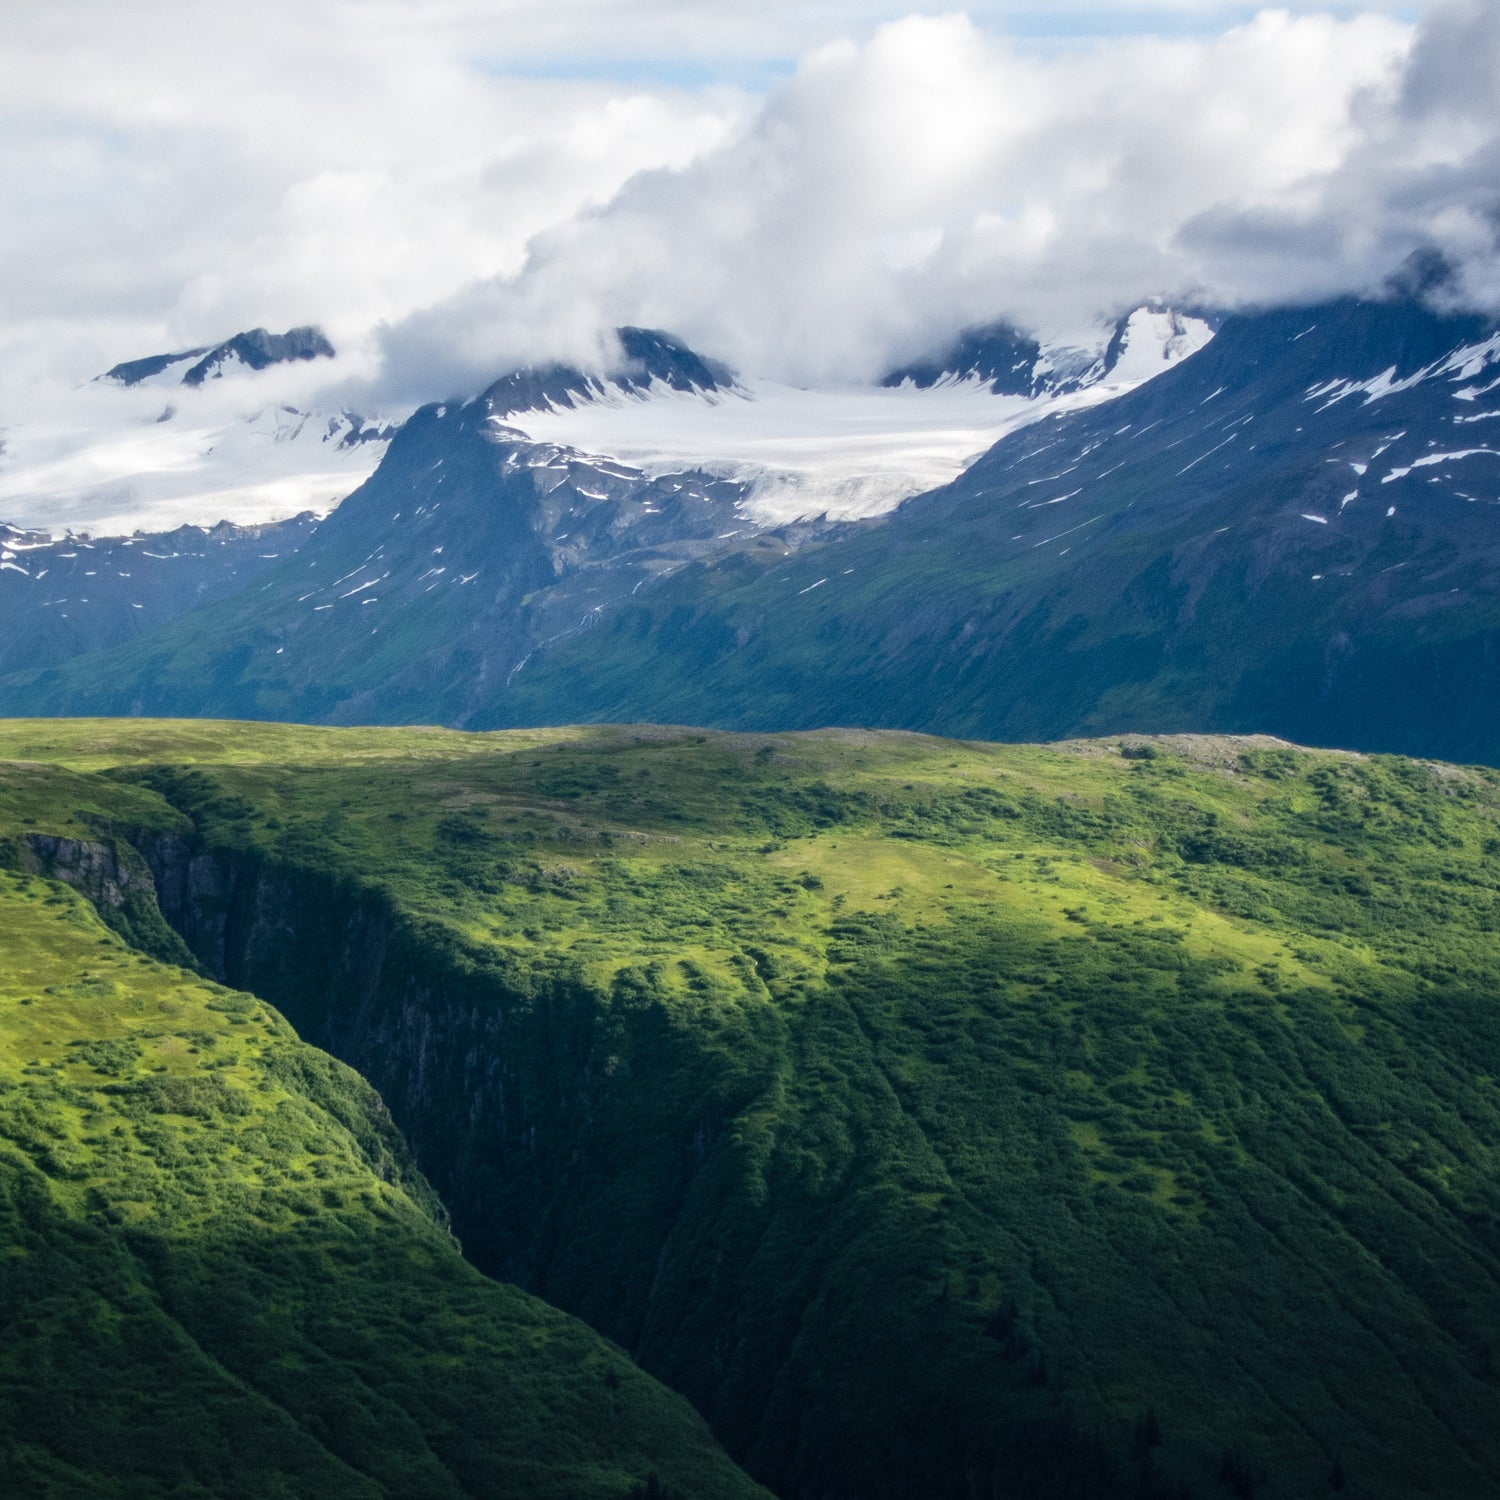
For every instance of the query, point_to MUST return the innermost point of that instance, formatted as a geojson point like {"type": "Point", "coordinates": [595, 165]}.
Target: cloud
{"type": "Point", "coordinates": [1421, 171]}
{"type": "Point", "coordinates": [170, 173]}
{"type": "Point", "coordinates": [809, 191]}
{"type": "Point", "coordinates": [937, 174]}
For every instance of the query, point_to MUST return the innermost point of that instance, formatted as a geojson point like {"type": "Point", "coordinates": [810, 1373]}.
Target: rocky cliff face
{"type": "Point", "coordinates": [438, 1037]}
{"type": "Point", "coordinates": [108, 873]}
{"type": "Point", "coordinates": [113, 875]}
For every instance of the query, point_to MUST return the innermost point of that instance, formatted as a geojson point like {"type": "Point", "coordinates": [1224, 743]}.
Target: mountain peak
{"type": "Point", "coordinates": [1423, 272]}
{"type": "Point", "coordinates": [254, 348]}
{"type": "Point", "coordinates": [997, 353]}
{"type": "Point", "coordinates": [259, 348]}
{"type": "Point", "coordinates": [1141, 343]}
{"type": "Point", "coordinates": [654, 355]}
{"type": "Point", "coordinates": [648, 356]}
{"type": "Point", "coordinates": [137, 371]}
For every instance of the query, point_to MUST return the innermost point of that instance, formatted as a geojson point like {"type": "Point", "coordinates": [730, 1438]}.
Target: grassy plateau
{"type": "Point", "coordinates": [1112, 1118]}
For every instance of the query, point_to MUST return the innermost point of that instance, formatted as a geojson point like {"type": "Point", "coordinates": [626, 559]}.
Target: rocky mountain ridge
{"type": "Point", "coordinates": [253, 349]}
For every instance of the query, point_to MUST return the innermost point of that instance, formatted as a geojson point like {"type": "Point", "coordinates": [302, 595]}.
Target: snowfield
{"type": "Point", "coordinates": [109, 460]}
{"type": "Point", "coordinates": [262, 446]}
{"type": "Point", "coordinates": [848, 453]}
{"type": "Point", "coordinates": [859, 450]}
{"type": "Point", "coordinates": [154, 477]}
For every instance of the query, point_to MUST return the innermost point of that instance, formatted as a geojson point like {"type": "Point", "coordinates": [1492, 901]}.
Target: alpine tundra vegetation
{"type": "Point", "coordinates": [1109, 1118]}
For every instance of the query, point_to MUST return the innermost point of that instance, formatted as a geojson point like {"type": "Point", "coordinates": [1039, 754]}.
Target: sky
{"type": "Point", "coordinates": [809, 191]}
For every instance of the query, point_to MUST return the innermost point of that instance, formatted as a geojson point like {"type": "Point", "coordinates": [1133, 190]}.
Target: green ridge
{"type": "Point", "coordinates": [222, 1274]}
{"type": "Point", "coordinates": [944, 1119]}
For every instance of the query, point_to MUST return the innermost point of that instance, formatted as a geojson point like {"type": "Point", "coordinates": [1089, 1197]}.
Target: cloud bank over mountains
{"type": "Point", "coordinates": [934, 175]}
{"type": "Point", "coordinates": [452, 189]}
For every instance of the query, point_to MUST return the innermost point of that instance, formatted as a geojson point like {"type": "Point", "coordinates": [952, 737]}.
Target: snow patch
{"type": "Point", "coordinates": [1463, 363]}
{"type": "Point", "coordinates": [109, 472]}
{"type": "Point", "coordinates": [846, 453]}
{"type": "Point", "coordinates": [1428, 459]}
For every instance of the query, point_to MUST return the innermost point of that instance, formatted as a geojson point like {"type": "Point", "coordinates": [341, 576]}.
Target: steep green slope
{"type": "Point", "coordinates": [944, 1119]}
{"type": "Point", "coordinates": [223, 1276]}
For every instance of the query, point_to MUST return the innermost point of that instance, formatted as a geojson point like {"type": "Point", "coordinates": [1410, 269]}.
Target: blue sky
{"type": "Point", "coordinates": [689, 46]}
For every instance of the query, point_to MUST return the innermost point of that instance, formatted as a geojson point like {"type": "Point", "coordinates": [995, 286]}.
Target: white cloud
{"type": "Point", "coordinates": [481, 182]}
{"type": "Point", "coordinates": [935, 174]}
{"type": "Point", "coordinates": [171, 173]}
{"type": "Point", "coordinates": [1421, 169]}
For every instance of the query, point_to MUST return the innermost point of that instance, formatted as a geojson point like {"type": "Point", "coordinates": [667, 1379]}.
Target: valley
{"type": "Point", "coordinates": [224, 1275]}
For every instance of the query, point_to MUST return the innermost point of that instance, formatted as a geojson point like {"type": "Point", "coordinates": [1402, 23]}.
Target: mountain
{"type": "Point", "coordinates": [153, 366]}
{"type": "Point", "coordinates": [648, 360]}
{"type": "Point", "coordinates": [470, 548]}
{"type": "Point", "coordinates": [1292, 531]}
{"type": "Point", "coordinates": [224, 1274]}
{"type": "Point", "coordinates": [242, 432]}
{"type": "Point", "coordinates": [254, 349]}
{"type": "Point", "coordinates": [845, 451]}
{"type": "Point", "coordinates": [996, 353]}
{"type": "Point", "coordinates": [1110, 1119]}
{"type": "Point", "coordinates": [1138, 346]}
{"type": "Point", "coordinates": [63, 598]}
{"type": "Point", "coordinates": [259, 444]}
{"type": "Point", "coordinates": [553, 537]}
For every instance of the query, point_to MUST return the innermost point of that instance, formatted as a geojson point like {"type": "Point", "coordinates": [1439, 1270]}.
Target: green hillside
{"type": "Point", "coordinates": [224, 1277]}
{"type": "Point", "coordinates": [943, 1119]}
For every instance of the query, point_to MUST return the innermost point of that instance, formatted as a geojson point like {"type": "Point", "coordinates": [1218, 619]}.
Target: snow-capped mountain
{"type": "Point", "coordinates": [848, 452]}
{"type": "Point", "coordinates": [1296, 530]}
{"type": "Point", "coordinates": [1145, 342]}
{"type": "Point", "coordinates": [470, 548]}
{"type": "Point", "coordinates": [1293, 529]}
{"type": "Point", "coordinates": [239, 432]}
{"type": "Point", "coordinates": [650, 363]}
{"type": "Point", "coordinates": [234, 432]}
{"type": "Point", "coordinates": [255, 349]}
{"type": "Point", "coordinates": [797, 463]}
